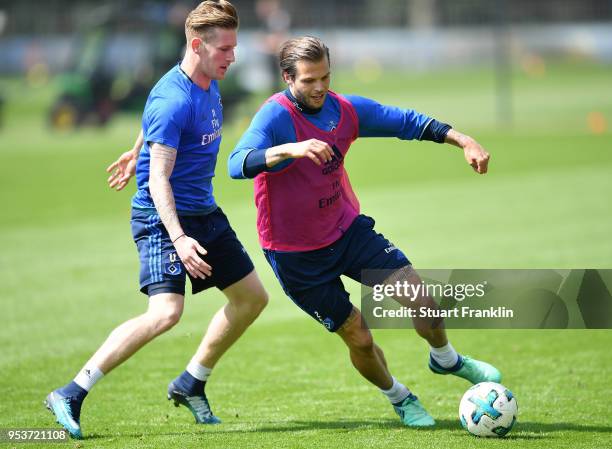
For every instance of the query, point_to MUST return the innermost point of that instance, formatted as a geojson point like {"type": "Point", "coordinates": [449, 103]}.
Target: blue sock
{"type": "Point", "coordinates": [74, 391]}
{"type": "Point", "coordinates": [452, 369]}
{"type": "Point", "coordinates": [190, 384]}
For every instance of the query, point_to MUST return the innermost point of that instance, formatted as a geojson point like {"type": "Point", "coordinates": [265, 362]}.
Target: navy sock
{"type": "Point", "coordinates": [452, 369]}
{"type": "Point", "coordinates": [74, 391]}
{"type": "Point", "coordinates": [77, 395]}
{"type": "Point", "coordinates": [411, 396]}
{"type": "Point", "coordinates": [190, 384]}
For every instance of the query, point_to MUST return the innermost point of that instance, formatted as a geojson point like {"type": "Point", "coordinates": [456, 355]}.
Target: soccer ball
{"type": "Point", "coordinates": [488, 409]}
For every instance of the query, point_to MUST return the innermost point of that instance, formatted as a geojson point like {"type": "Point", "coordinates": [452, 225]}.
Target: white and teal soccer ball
{"type": "Point", "coordinates": [488, 409]}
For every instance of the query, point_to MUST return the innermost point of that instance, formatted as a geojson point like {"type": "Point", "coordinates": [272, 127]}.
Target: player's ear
{"type": "Point", "coordinates": [195, 43]}
{"type": "Point", "coordinates": [287, 78]}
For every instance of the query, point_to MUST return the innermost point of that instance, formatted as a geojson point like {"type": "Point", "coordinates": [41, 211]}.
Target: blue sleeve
{"type": "Point", "coordinates": [164, 120]}
{"type": "Point", "coordinates": [377, 120]}
{"type": "Point", "coordinates": [270, 127]}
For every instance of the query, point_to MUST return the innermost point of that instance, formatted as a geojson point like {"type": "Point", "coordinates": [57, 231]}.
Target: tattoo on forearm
{"type": "Point", "coordinates": [163, 152]}
{"type": "Point", "coordinates": [162, 164]}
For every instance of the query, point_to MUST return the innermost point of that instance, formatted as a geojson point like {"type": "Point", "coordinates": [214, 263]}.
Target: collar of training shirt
{"type": "Point", "coordinates": [183, 72]}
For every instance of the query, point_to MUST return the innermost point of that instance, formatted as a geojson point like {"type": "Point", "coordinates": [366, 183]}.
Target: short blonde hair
{"type": "Point", "coordinates": [208, 15]}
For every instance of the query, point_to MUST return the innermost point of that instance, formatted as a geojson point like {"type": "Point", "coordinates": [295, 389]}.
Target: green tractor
{"type": "Point", "coordinates": [115, 63]}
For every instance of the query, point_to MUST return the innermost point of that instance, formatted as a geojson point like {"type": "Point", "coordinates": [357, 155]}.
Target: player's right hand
{"type": "Point", "coordinates": [189, 251]}
{"type": "Point", "coordinates": [124, 168]}
{"type": "Point", "coordinates": [316, 150]}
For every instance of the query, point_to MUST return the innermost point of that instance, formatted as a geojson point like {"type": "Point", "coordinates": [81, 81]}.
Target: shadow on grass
{"type": "Point", "coordinates": [441, 424]}
{"type": "Point", "coordinates": [526, 430]}
{"type": "Point", "coordinates": [529, 426]}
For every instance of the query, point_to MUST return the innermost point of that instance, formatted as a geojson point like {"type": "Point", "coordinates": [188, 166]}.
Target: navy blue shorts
{"type": "Point", "coordinates": [312, 278]}
{"type": "Point", "coordinates": [161, 270]}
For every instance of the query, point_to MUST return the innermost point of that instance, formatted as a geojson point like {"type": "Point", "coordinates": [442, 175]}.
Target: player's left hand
{"type": "Point", "coordinates": [124, 168]}
{"type": "Point", "coordinates": [476, 156]}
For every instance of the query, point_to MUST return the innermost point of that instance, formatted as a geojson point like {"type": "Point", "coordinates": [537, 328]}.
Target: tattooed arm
{"type": "Point", "coordinates": [162, 164]}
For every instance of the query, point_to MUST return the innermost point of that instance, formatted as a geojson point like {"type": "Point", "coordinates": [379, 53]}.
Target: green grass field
{"type": "Point", "coordinates": [68, 275]}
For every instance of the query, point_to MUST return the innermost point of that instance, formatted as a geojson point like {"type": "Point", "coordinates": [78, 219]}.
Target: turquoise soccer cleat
{"type": "Point", "coordinates": [472, 370]}
{"type": "Point", "coordinates": [198, 405]}
{"type": "Point", "coordinates": [67, 412]}
{"type": "Point", "coordinates": [412, 413]}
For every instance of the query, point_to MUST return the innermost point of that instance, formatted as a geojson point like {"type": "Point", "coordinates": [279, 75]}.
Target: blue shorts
{"type": "Point", "coordinates": [312, 278]}
{"type": "Point", "coordinates": [161, 270]}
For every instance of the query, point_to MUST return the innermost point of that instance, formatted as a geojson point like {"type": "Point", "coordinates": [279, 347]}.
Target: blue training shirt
{"type": "Point", "coordinates": [182, 115]}
{"type": "Point", "coordinates": [272, 126]}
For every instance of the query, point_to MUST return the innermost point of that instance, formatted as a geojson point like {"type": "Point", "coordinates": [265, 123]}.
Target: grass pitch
{"type": "Point", "coordinates": [68, 272]}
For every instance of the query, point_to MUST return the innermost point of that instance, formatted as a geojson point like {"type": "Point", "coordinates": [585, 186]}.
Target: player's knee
{"type": "Point", "coordinates": [165, 319]}
{"type": "Point", "coordinates": [251, 304]}
{"type": "Point", "coordinates": [361, 340]}
{"type": "Point", "coordinates": [164, 311]}
{"type": "Point", "coordinates": [260, 301]}
{"type": "Point", "coordinates": [255, 304]}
